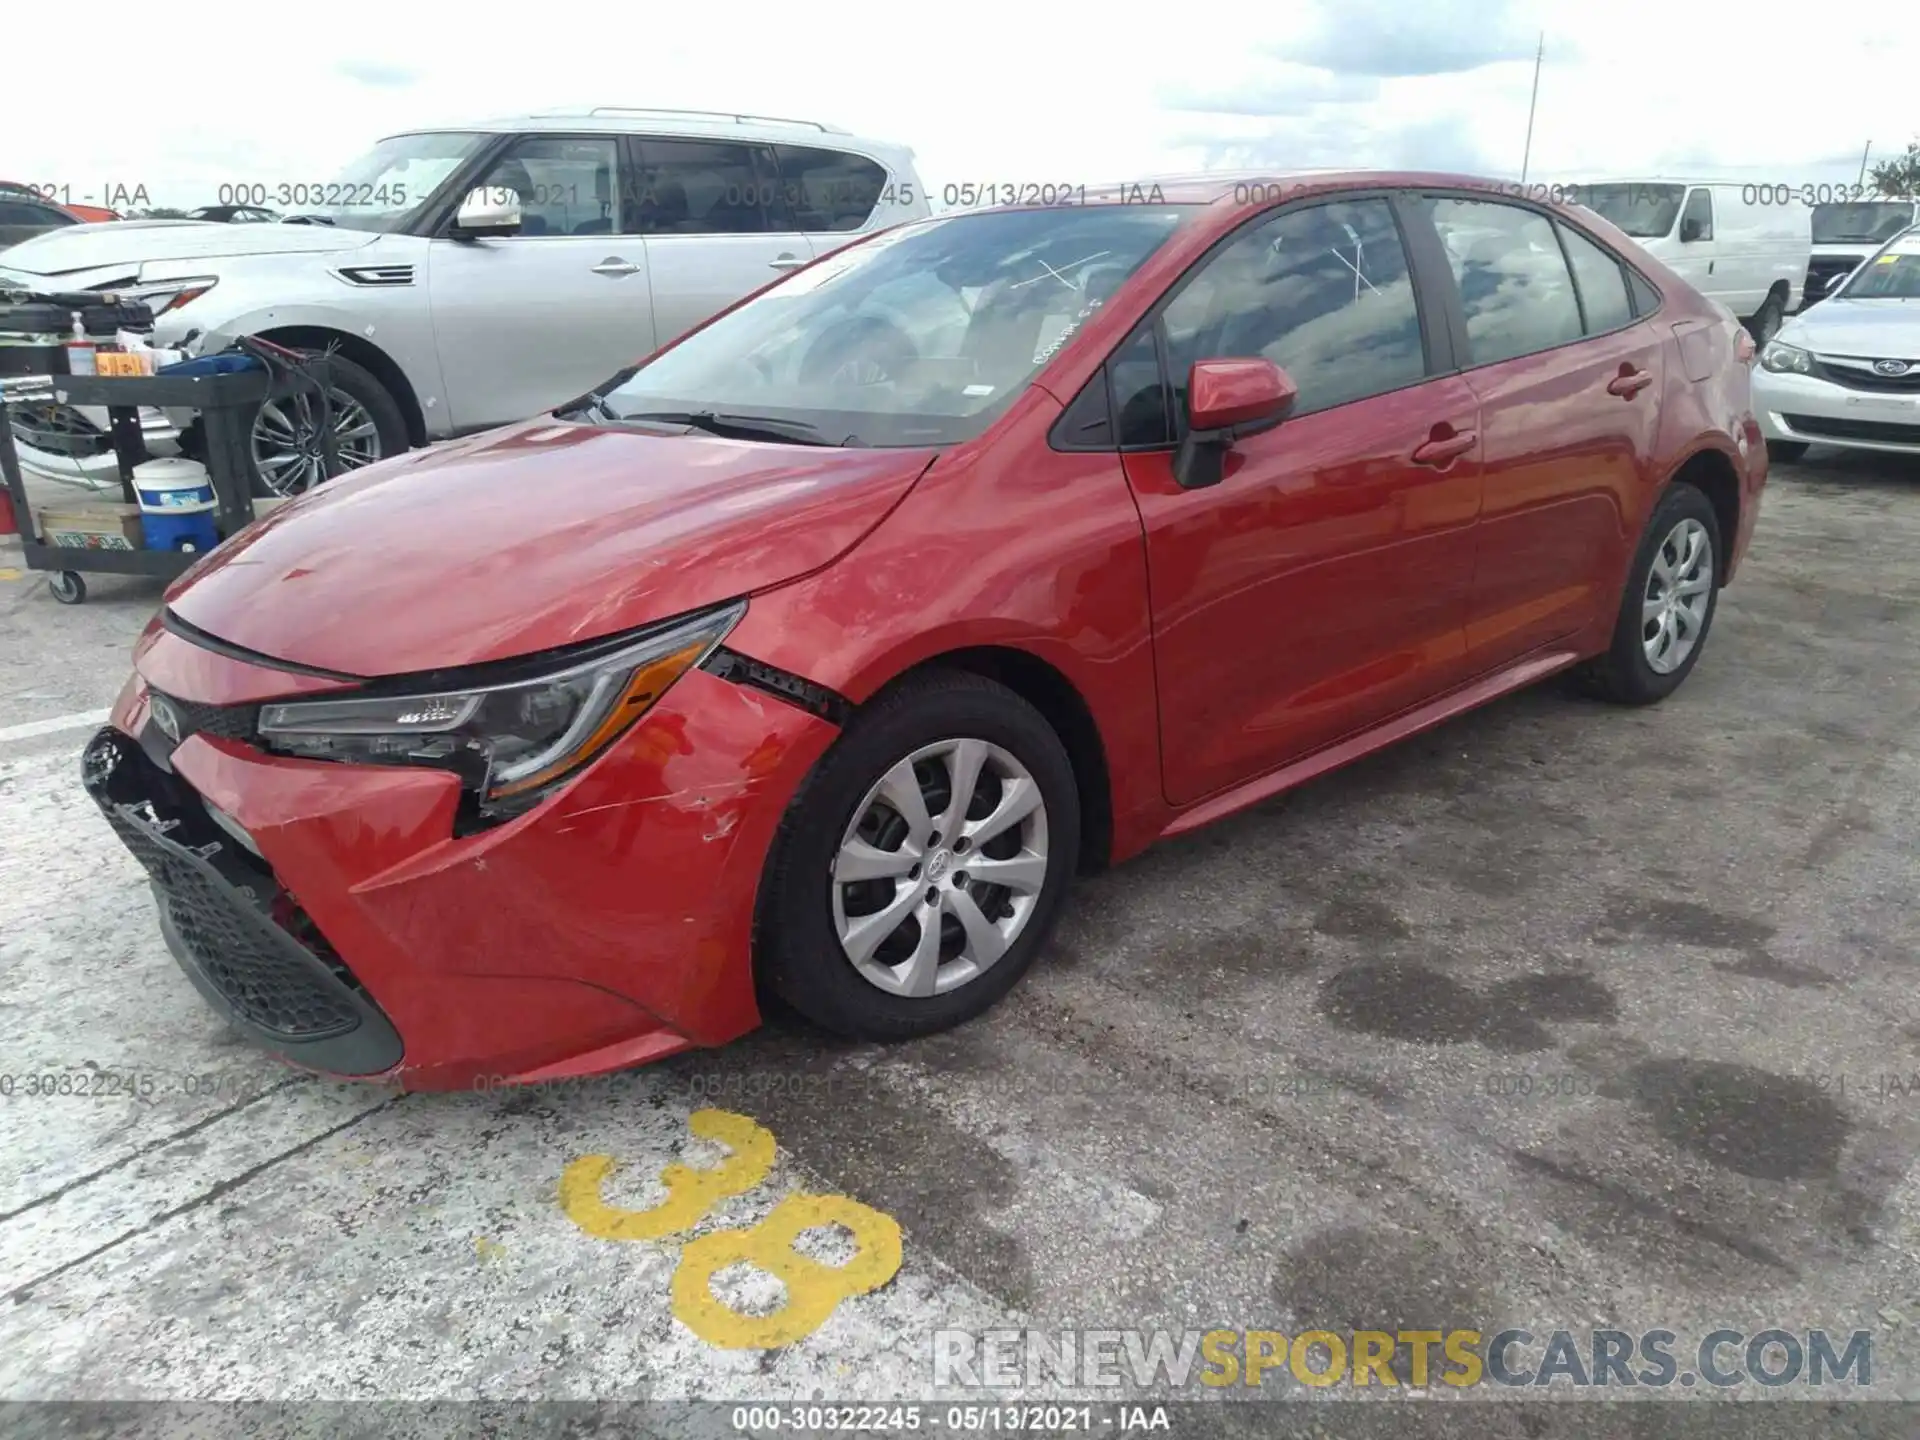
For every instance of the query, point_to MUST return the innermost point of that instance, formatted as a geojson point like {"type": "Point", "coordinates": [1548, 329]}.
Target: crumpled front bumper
{"type": "Point", "coordinates": [609, 926]}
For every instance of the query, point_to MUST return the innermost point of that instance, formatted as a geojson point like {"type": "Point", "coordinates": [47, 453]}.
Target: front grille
{"type": "Point", "coordinates": [226, 722]}
{"type": "Point", "coordinates": [1819, 426]}
{"type": "Point", "coordinates": [1855, 378]}
{"type": "Point", "coordinates": [241, 937]}
{"type": "Point", "coordinates": [235, 946]}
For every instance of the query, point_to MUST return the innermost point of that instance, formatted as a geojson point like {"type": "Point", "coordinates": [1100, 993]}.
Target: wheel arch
{"type": "Point", "coordinates": [368, 356]}
{"type": "Point", "coordinates": [1711, 471]}
{"type": "Point", "coordinates": [1059, 701]}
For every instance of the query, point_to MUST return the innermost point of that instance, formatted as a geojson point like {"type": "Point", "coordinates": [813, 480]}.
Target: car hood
{"type": "Point", "coordinates": [1869, 328]}
{"type": "Point", "coordinates": [542, 534]}
{"type": "Point", "coordinates": [79, 248]}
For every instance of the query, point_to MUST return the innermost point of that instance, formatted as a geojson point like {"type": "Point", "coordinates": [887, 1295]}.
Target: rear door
{"type": "Point", "coordinates": [1568, 381]}
{"type": "Point", "coordinates": [527, 321]}
{"type": "Point", "coordinates": [717, 226]}
{"type": "Point", "coordinates": [1323, 584]}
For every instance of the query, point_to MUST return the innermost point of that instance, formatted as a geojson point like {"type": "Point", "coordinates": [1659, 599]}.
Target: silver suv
{"type": "Point", "coordinates": [474, 274]}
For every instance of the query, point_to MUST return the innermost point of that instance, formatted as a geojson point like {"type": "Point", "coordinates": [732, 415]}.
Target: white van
{"type": "Point", "coordinates": [1732, 242]}
{"type": "Point", "coordinates": [1846, 232]}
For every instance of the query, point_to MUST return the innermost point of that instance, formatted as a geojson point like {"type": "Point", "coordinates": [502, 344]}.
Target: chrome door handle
{"type": "Point", "coordinates": [786, 262]}
{"type": "Point", "coordinates": [615, 266]}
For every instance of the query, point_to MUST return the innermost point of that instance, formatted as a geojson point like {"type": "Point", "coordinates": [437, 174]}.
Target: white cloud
{"type": "Point", "coordinates": [996, 91]}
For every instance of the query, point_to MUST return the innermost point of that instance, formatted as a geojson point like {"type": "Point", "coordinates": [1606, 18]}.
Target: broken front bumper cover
{"type": "Point", "coordinates": [218, 907]}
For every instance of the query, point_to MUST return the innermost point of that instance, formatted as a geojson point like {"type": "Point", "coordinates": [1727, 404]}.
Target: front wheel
{"type": "Point", "coordinates": [367, 426]}
{"type": "Point", "coordinates": [921, 868]}
{"type": "Point", "coordinates": [1668, 604]}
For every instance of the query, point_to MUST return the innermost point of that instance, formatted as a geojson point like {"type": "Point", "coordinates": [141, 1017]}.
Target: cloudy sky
{"type": "Point", "coordinates": [991, 91]}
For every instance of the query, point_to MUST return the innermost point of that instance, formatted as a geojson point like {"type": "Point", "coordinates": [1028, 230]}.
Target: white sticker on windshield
{"type": "Point", "coordinates": [978, 390]}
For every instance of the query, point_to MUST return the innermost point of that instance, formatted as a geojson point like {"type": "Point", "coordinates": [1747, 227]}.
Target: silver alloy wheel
{"type": "Point", "coordinates": [1673, 612]}
{"type": "Point", "coordinates": [286, 441]}
{"type": "Point", "coordinates": [941, 868]}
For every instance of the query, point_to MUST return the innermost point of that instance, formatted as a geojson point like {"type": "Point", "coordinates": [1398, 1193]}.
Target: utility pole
{"type": "Point", "coordinates": [1863, 161]}
{"type": "Point", "coordinates": [1527, 155]}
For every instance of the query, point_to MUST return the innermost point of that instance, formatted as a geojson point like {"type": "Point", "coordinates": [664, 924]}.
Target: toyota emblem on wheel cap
{"type": "Point", "coordinates": [1891, 367]}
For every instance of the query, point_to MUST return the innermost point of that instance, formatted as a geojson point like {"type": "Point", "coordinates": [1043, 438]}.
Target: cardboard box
{"type": "Point", "coordinates": [93, 525]}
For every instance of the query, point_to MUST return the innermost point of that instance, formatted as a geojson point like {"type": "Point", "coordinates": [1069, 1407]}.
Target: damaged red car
{"type": "Point", "coordinates": [817, 652]}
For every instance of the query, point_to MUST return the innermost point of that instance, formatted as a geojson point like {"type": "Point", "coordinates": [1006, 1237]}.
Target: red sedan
{"type": "Point", "coordinates": [818, 651]}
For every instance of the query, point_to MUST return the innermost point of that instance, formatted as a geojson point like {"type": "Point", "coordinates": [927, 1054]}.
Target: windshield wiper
{"type": "Point", "coordinates": [742, 427]}
{"type": "Point", "coordinates": [306, 220]}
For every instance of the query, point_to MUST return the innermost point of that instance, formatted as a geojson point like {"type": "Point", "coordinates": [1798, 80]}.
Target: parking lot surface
{"type": "Point", "coordinates": [1558, 1016]}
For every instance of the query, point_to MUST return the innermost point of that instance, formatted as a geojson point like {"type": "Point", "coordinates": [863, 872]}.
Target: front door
{"type": "Point", "coordinates": [717, 226]}
{"type": "Point", "coordinates": [528, 321]}
{"type": "Point", "coordinates": [1569, 385]}
{"type": "Point", "coordinates": [1322, 585]}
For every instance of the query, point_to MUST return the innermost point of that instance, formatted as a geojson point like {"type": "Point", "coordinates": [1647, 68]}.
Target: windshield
{"type": "Point", "coordinates": [920, 336]}
{"type": "Point", "coordinates": [1645, 212]}
{"type": "Point", "coordinates": [383, 189]}
{"type": "Point", "coordinates": [1874, 221]}
{"type": "Point", "coordinates": [1893, 276]}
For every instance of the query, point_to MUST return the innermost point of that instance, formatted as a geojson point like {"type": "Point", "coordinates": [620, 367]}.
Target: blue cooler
{"type": "Point", "coordinates": [176, 504]}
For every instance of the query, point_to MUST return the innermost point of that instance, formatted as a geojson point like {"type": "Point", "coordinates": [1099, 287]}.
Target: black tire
{"type": "Point", "coordinates": [1623, 675]}
{"type": "Point", "coordinates": [798, 951]}
{"type": "Point", "coordinates": [388, 420]}
{"type": "Point", "coordinates": [68, 587]}
{"type": "Point", "coordinates": [1767, 320]}
{"type": "Point", "coordinates": [1785, 452]}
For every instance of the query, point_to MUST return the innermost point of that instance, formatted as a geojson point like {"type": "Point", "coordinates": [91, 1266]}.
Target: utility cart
{"type": "Point", "coordinates": [226, 402]}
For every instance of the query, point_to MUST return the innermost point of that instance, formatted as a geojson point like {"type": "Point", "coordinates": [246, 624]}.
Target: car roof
{"type": "Point", "coordinates": [633, 119]}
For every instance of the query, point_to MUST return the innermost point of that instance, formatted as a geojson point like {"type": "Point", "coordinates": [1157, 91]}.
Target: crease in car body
{"type": "Point", "coordinates": [935, 668]}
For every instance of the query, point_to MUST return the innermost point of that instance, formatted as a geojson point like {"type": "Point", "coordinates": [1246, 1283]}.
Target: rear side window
{"type": "Point", "coordinates": [1602, 281]}
{"type": "Point", "coordinates": [1696, 221]}
{"type": "Point", "coordinates": [1323, 292]}
{"type": "Point", "coordinates": [1514, 283]}
{"type": "Point", "coordinates": [708, 187]}
{"type": "Point", "coordinates": [1646, 299]}
{"type": "Point", "coordinates": [828, 189]}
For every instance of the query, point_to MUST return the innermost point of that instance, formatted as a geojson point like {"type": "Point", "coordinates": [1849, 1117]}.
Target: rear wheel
{"type": "Point", "coordinates": [921, 868]}
{"type": "Point", "coordinates": [1668, 605]}
{"type": "Point", "coordinates": [1786, 451]}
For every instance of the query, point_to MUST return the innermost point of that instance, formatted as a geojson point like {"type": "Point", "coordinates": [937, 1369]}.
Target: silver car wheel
{"type": "Point", "coordinates": [941, 868]}
{"type": "Point", "coordinates": [286, 441]}
{"type": "Point", "coordinates": [1673, 612]}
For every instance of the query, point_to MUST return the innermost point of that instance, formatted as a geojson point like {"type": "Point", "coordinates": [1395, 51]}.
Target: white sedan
{"type": "Point", "coordinates": [1847, 372]}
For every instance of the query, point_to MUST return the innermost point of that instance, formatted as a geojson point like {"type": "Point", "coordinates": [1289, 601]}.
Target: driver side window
{"type": "Point", "coordinates": [1323, 292]}
{"type": "Point", "coordinates": [565, 185]}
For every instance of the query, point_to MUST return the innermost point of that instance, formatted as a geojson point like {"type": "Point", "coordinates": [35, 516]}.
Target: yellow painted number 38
{"type": "Point", "coordinates": [813, 1289]}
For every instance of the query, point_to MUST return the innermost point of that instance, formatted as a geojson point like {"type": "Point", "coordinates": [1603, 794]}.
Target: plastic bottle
{"type": "Point", "coordinates": [80, 349]}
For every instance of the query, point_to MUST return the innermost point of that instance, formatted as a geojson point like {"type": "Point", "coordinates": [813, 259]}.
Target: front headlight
{"type": "Point", "coordinates": [165, 295]}
{"type": "Point", "coordinates": [514, 740]}
{"type": "Point", "coordinates": [1786, 359]}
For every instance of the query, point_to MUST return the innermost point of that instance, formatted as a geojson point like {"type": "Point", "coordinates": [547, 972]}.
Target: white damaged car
{"type": "Point", "coordinates": [1847, 371]}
